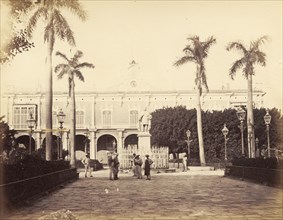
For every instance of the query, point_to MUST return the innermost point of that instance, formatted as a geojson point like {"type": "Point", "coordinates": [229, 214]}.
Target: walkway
{"type": "Point", "coordinates": [167, 196]}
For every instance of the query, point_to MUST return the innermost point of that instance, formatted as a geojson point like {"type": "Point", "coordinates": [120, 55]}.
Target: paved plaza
{"type": "Point", "coordinates": [182, 195]}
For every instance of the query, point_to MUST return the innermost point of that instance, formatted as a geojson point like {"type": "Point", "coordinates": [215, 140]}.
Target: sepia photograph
{"type": "Point", "coordinates": [141, 109]}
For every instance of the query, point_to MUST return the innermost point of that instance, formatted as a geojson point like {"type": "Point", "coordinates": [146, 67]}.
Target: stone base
{"type": "Point", "coordinates": [144, 143]}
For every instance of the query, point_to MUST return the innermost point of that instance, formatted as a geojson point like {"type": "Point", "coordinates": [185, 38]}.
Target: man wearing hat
{"type": "Point", "coordinates": [86, 163]}
{"type": "Point", "coordinates": [147, 164]}
{"type": "Point", "coordinates": [115, 166]}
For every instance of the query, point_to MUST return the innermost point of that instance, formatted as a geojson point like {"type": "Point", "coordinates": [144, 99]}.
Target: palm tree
{"type": "Point", "coordinates": [250, 57]}
{"type": "Point", "coordinates": [72, 69]}
{"type": "Point", "coordinates": [196, 52]}
{"type": "Point", "coordinates": [55, 26]}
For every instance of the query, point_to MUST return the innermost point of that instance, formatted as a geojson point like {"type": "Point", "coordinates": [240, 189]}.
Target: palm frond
{"type": "Point", "coordinates": [60, 67]}
{"type": "Point", "coordinates": [236, 65]}
{"type": "Point", "coordinates": [255, 44]}
{"type": "Point", "coordinates": [62, 28]}
{"type": "Point", "coordinates": [81, 65]}
{"type": "Point", "coordinates": [207, 44]}
{"type": "Point", "coordinates": [41, 12]}
{"type": "Point", "coordinates": [188, 50]}
{"type": "Point", "coordinates": [79, 75]}
{"type": "Point", "coordinates": [260, 58]}
{"type": "Point", "coordinates": [248, 70]}
{"type": "Point", "coordinates": [73, 6]}
{"type": "Point", "coordinates": [237, 45]}
{"type": "Point", "coordinates": [184, 60]}
{"type": "Point", "coordinates": [79, 54]}
{"type": "Point", "coordinates": [61, 74]}
{"type": "Point", "coordinates": [193, 38]}
{"type": "Point", "coordinates": [58, 53]}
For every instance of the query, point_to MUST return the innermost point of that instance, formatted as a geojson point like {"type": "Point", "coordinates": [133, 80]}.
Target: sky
{"type": "Point", "coordinates": [154, 33]}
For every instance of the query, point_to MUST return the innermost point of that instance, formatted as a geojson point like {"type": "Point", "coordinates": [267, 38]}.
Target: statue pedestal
{"type": "Point", "coordinates": [144, 144]}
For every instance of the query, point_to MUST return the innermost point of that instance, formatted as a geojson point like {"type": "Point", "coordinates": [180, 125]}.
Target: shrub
{"type": "Point", "coordinates": [269, 163]}
{"type": "Point", "coordinates": [31, 166]}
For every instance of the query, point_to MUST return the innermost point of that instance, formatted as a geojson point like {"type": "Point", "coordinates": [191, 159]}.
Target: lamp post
{"type": "Point", "coordinates": [267, 120]}
{"type": "Point", "coordinates": [188, 133]}
{"type": "Point", "coordinates": [61, 118]}
{"type": "Point", "coordinates": [241, 114]}
{"type": "Point", "coordinates": [31, 124]}
{"type": "Point", "coordinates": [225, 133]}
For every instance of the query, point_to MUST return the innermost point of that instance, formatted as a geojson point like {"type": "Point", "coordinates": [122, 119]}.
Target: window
{"type": "Point", "coordinates": [21, 114]}
{"type": "Point", "coordinates": [80, 119]}
{"type": "Point", "coordinates": [133, 118]}
{"type": "Point", "coordinates": [106, 118]}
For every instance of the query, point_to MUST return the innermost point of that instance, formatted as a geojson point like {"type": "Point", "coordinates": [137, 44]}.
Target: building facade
{"type": "Point", "coordinates": [106, 120]}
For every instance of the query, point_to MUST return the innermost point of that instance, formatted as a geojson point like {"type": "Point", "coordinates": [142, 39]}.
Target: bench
{"type": "Point", "coordinates": [170, 170]}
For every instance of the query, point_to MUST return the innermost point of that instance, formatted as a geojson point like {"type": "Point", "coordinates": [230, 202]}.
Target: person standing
{"type": "Point", "coordinates": [138, 162]}
{"type": "Point", "coordinates": [110, 165]}
{"type": "Point", "coordinates": [133, 165]}
{"type": "Point", "coordinates": [86, 163]}
{"type": "Point", "coordinates": [185, 164]}
{"type": "Point", "coordinates": [147, 164]}
{"type": "Point", "coordinates": [115, 167]}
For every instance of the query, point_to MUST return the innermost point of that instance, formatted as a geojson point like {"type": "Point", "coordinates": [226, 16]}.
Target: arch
{"type": "Point", "coordinates": [55, 146]}
{"type": "Point", "coordinates": [23, 142]}
{"type": "Point", "coordinates": [105, 143]}
{"type": "Point", "coordinates": [80, 142]}
{"type": "Point", "coordinates": [131, 140]}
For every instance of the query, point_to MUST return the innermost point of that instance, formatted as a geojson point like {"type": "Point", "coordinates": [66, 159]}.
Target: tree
{"type": "Point", "coordinates": [55, 26]}
{"type": "Point", "coordinates": [250, 57]}
{"type": "Point", "coordinates": [17, 41]}
{"type": "Point", "coordinates": [72, 68]}
{"type": "Point", "coordinates": [7, 138]}
{"type": "Point", "coordinates": [196, 52]}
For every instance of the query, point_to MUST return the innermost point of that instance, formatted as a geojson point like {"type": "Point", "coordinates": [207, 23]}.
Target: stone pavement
{"type": "Point", "coordinates": [182, 195]}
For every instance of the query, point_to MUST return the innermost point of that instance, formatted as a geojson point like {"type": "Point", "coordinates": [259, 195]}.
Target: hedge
{"type": "Point", "coordinates": [29, 167]}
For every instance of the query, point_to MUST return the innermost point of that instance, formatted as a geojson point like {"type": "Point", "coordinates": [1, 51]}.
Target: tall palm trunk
{"type": "Point", "coordinates": [73, 124]}
{"type": "Point", "coordinates": [250, 118]}
{"type": "Point", "coordinates": [199, 125]}
{"type": "Point", "coordinates": [49, 99]}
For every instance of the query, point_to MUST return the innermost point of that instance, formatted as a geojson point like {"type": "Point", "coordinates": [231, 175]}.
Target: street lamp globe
{"type": "Point", "coordinates": [61, 118]}
{"type": "Point", "coordinates": [188, 133]}
{"type": "Point", "coordinates": [267, 118]}
{"type": "Point", "coordinates": [241, 114]}
{"type": "Point", "coordinates": [31, 121]}
{"type": "Point", "coordinates": [225, 130]}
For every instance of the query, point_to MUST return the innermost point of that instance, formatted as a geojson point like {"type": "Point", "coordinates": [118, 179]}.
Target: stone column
{"type": "Point", "coordinates": [93, 146]}
{"type": "Point", "coordinates": [38, 140]}
{"type": "Point", "coordinates": [120, 141]}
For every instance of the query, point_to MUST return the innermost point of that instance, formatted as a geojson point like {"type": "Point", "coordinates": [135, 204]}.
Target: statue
{"type": "Point", "coordinates": [145, 121]}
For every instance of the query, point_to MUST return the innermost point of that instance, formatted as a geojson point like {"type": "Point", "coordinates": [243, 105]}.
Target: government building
{"type": "Point", "coordinates": [107, 120]}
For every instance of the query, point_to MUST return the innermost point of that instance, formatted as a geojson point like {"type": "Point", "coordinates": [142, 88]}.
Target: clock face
{"type": "Point", "coordinates": [133, 83]}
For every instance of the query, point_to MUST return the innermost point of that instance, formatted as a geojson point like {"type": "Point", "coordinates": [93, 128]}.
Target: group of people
{"type": "Point", "coordinates": [137, 166]}
{"type": "Point", "coordinates": [113, 163]}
